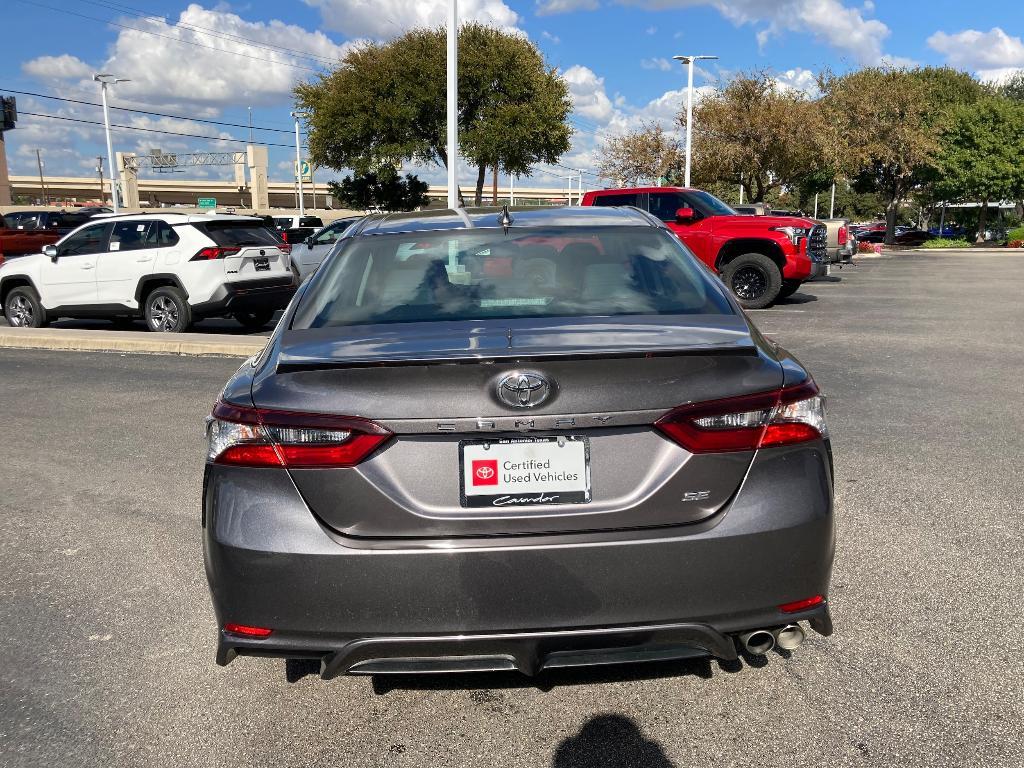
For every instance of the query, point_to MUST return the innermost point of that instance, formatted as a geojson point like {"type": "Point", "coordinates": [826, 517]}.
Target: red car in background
{"type": "Point", "coordinates": [760, 258]}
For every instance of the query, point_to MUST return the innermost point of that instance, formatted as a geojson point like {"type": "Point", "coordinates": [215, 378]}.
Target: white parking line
{"type": "Point", "coordinates": [773, 309]}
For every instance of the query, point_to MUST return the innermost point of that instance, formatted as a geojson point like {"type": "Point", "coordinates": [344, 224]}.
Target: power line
{"type": "Point", "coordinates": [168, 37]}
{"type": "Point", "coordinates": [144, 112]}
{"type": "Point", "coordinates": [219, 34]}
{"type": "Point", "coordinates": [150, 130]}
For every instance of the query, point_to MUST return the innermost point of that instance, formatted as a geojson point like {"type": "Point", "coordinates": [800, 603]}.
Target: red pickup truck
{"type": "Point", "coordinates": [760, 258]}
{"type": "Point", "coordinates": [17, 242]}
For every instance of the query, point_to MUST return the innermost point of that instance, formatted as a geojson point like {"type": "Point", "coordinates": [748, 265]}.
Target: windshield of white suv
{"type": "Point", "coordinates": [484, 273]}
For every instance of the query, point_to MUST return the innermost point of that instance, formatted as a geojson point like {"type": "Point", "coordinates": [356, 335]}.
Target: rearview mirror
{"type": "Point", "coordinates": [51, 251]}
{"type": "Point", "coordinates": [685, 215]}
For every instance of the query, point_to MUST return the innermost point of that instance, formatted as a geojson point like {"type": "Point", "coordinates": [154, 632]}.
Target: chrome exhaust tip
{"type": "Point", "coordinates": [758, 642]}
{"type": "Point", "coordinates": [789, 637]}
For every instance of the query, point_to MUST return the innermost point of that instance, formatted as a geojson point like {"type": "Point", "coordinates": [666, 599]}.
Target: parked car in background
{"type": "Point", "coordinates": [295, 229]}
{"type": "Point", "coordinates": [586, 454]}
{"type": "Point", "coordinates": [60, 222]}
{"type": "Point", "coordinates": [308, 255]}
{"type": "Point", "coordinates": [18, 242]}
{"type": "Point", "coordinates": [170, 269]}
{"type": "Point", "coordinates": [752, 209]}
{"type": "Point", "coordinates": [760, 258]}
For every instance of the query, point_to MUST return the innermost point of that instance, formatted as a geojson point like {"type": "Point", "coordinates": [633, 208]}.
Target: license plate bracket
{"type": "Point", "coordinates": [524, 471]}
{"type": "Point", "coordinates": [261, 264]}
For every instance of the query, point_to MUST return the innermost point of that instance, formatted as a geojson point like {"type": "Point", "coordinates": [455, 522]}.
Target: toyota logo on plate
{"type": "Point", "coordinates": [523, 389]}
{"type": "Point", "coordinates": [485, 473]}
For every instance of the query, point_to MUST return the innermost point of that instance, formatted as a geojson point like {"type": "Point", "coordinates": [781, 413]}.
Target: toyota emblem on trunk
{"type": "Point", "coordinates": [523, 389]}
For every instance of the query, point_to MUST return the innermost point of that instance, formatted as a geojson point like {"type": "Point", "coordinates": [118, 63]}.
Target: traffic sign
{"type": "Point", "coordinates": [307, 171]}
{"type": "Point", "coordinates": [207, 202]}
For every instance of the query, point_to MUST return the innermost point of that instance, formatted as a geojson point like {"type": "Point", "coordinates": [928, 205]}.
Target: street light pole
{"type": "Point", "coordinates": [298, 163]}
{"type": "Point", "coordinates": [688, 61]}
{"type": "Point", "coordinates": [452, 149]}
{"type": "Point", "coordinates": [104, 80]}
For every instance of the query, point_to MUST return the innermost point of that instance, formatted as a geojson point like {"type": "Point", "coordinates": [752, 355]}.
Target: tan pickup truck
{"type": "Point", "coordinates": [841, 241]}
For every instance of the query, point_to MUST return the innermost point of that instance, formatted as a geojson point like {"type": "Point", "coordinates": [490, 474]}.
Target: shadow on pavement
{"type": "Point", "coordinates": [796, 299]}
{"type": "Point", "coordinates": [211, 325]}
{"type": "Point", "coordinates": [610, 740]}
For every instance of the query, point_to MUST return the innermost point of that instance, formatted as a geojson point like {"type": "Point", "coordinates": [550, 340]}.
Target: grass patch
{"type": "Point", "coordinates": [942, 242]}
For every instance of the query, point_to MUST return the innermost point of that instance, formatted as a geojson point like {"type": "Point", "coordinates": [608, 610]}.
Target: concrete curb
{"type": "Point", "coordinates": [77, 340]}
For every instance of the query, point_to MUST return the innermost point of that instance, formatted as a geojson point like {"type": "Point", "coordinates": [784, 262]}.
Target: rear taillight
{"type": "Point", "coordinates": [780, 417]}
{"type": "Point", "coordinates": [209, 254]}
{"type": "Point", "coordinates": [843, 236]}
{"type": "Point", "coordinates": [284, 236]}
{"type": "Point", "coordinates": [257, 437]}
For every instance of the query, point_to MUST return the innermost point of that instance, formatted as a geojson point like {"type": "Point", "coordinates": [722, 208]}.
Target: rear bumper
{"type": "Point", "coordinates": [525, 603]}
{"type": "Point", "coordinates": [248, 295]}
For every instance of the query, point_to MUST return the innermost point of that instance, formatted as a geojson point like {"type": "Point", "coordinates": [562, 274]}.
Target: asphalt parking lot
{"type": "Point", "coordinates": [106, 630]}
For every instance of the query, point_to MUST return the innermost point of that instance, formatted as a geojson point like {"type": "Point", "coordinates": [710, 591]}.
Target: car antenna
{"type": "Point", "coordinates": [505, 219]}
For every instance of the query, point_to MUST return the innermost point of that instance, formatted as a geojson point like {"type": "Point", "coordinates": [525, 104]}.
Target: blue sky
{"type": "Point", "coordinates": [213, 60]}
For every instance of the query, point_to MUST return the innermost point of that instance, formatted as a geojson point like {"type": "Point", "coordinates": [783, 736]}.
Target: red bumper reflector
{"type": "Point", "coordinates": [802, 605]}
{"type": "Point", "coordinates": [242, 629]}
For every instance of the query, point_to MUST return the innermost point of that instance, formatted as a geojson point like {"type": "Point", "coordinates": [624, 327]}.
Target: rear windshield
{"type": "Point", "coordinates": [237, 233]}
{"type": "Point", "coordinates": [311, 221]}
{"type": "Point", "coordinates": [71, 220]}
{"type": "Point", "coordinates": [483, 273]}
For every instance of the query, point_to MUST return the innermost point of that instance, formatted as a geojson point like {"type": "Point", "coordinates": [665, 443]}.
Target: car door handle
{"type": "Point", "coordinates": [144, 259]}
{"type": "Point", "coordinates": [88, 266]}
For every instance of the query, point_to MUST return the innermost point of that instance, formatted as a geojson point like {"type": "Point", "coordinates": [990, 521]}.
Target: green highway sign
{"type": "Point", "coordinates": [207, 202]}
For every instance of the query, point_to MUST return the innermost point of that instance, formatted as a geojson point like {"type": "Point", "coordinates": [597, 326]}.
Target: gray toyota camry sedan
{"type": "Point", "coordinates": [515, 440]}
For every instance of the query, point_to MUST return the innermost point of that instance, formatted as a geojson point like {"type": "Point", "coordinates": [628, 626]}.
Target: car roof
{"type": "Point", "coordinates": [531, 216]}
{"type": "Point", "coordinates": [618, 190]}
{"type": "Point", "coordinates": [175, 218]}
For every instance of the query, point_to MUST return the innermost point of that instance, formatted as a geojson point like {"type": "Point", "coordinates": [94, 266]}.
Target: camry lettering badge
{"type": "Point", "coordinates": [523, 389]}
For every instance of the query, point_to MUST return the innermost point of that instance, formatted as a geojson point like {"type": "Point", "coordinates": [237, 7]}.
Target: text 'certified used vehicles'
{"type": "Point", "coordinates": [760, 258]}
{"type": "Point", "coordinates": [493, 440]}
{"type": "Point", "coordinates": [168, 268]}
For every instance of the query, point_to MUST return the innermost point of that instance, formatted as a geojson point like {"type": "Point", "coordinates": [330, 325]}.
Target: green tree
{"type": "Point", "coordinates": [982, 147]}
{"type": "Point", "coordinates": [891, 142]}
{"type": "Point", "coordinates": [383, 189]}
{"type": "Point", "coordinates": [385, 104]}
{"type": "Point", "coordinates": [756, 133]}
{"type": "Point", "coordinates": [646, 154]}
{"type": "Point", "coordinates": [1013, 88]}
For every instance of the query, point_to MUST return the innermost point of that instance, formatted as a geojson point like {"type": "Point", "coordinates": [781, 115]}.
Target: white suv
{"type": "Point", "coordinates": [170, 269]}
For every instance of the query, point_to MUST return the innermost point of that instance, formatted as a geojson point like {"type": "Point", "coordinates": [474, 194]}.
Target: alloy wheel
{"type": "Point", "coordinates": [163, 314]}
{"type": "Point", "coordinates": [21, 312]}
{"type": "Point", "coordinates": [749, 283]}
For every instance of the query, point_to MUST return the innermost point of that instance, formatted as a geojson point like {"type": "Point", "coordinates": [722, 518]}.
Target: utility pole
{"type": "Point", "coordinates": [511, 190]}
{"type": "Point", "coordinates": [99, 170]}
{"type": "Point", "coordinates": [42, 184]}
{"type": "Point", "coordinates": [494, 184]}
{"type": "Point", "coordinates": [741, 187]}
{"type": "Point", "coordinates": [250, 125]}
{"type": "Point", "coordinates": [453, 104]}
{"type": "Point", "coordinates": [832, 206]}
{"type": "Point", "coordinates": [815, 205]}
{"type": "Point", "coordinates": [688, 61]}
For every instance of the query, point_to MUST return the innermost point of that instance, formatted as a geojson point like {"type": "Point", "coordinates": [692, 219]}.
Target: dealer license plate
{"type": "Point", "coordinates": [525, 471]}
{"type": "Point", "coordinates": [262, 264]}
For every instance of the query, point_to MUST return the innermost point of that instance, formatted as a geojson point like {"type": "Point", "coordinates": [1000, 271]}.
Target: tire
{"type": "Point", "coordinates": [23, 310]}
{"type": "Point", "coordinates": [789, 287]}
{"type": "Point", "coordinates": [256, 319]}
{"type": "Point", "coordinates": [754, 279]}
{"type": "Point", "coordinates": [167, 311]}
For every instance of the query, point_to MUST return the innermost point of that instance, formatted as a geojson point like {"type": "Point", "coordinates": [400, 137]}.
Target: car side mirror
{"type": "Point", "coordinates": [685, 215]}
{"type": "Point", "coordinates": [309, 242]}
{"type": "Point", "coordinates": [51, 251]}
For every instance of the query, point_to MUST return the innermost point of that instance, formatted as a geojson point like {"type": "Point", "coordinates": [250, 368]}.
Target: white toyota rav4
{"type": "Point", "coordinates": [168, 268]}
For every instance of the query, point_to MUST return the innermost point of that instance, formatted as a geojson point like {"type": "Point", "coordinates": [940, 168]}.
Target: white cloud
{"type": "Point", "coordinates": [390, 18]}
{"type": "Point", "coordinates": [993, 55]}
{"type": "Point", "coordinates": [799, 79]}
{"type": "Point", "coordinates": [64, 67]}
{"type": "Point", "coordinates": [651, 30]}
{"type": "Point", "coordinates": [547, 7]}
{"type": "Point", "coordinates": [588, 94]}
{"type": "Point", "coordinates": [657, 63]}
{"type": "Point", "coordinates": [551, 38]}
